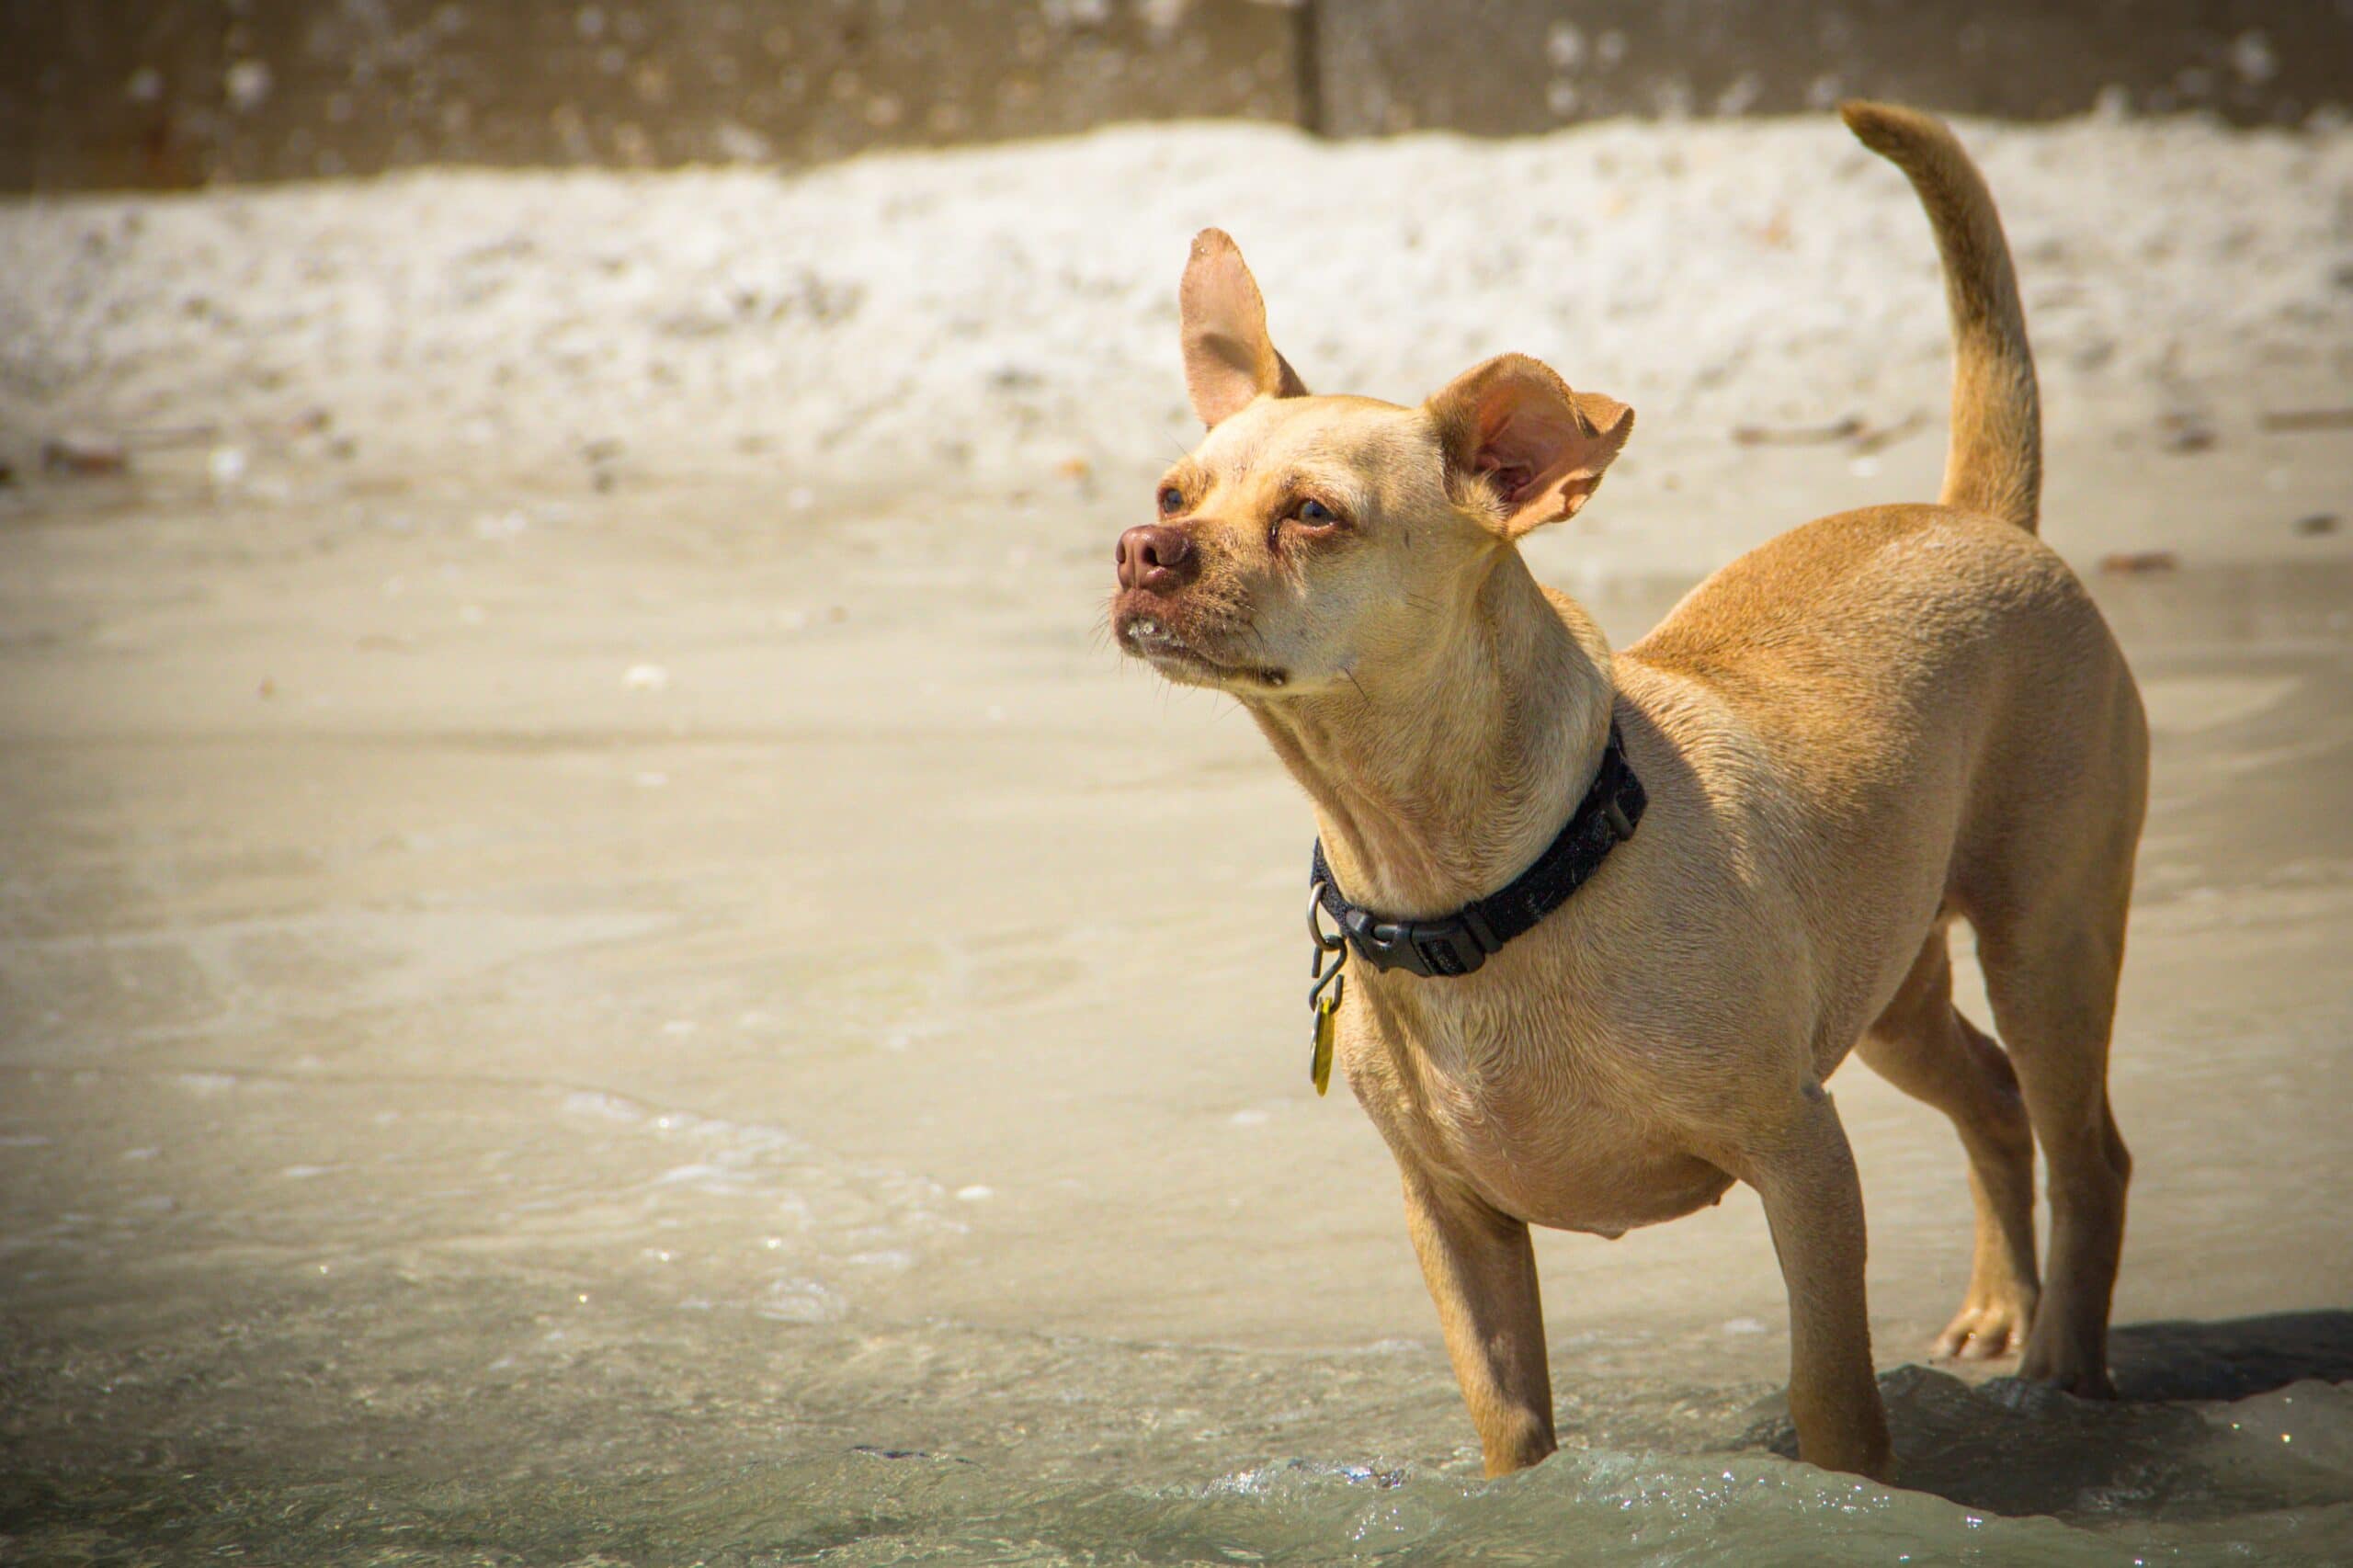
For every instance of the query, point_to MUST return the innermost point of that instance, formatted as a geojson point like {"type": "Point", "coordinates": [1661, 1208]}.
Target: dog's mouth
{"type": "Point", "coordinates": [1150, 637]}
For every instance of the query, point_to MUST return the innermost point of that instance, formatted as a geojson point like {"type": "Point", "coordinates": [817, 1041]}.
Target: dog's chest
{"type": "Point", "coordinates": [1509, 1103]}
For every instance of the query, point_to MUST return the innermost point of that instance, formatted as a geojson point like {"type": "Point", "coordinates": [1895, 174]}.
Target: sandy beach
{"type": "Point", "coordinates": [571, 939]}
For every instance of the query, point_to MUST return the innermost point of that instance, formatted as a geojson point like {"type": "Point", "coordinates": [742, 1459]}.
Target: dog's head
{"type": "Point", "coordinates": [1306, 536]}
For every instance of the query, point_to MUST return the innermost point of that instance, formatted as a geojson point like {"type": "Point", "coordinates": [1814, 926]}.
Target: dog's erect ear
{"type": "Point", "coordinates": [1540, 445]}
{"type": "Point", "coordinates": [1229, 358]}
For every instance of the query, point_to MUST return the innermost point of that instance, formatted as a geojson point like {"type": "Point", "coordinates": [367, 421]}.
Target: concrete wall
{"type": "Point", "coordinates": [174, 92]}
{"type": "Point", "coordinates": [162, 93]}
{"type": "Point", "coordinates": [1504, 67]}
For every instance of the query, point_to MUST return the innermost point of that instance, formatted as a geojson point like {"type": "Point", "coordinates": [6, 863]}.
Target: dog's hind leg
{"type": "Point", "coordinates": [2052, 981]}
{"type": "Point", "coordinates": [1923, 1046]}
{"type": "Point", "coordinates": [2050, 915]}
{"type": "Point", "coordinates": [2043, 872]}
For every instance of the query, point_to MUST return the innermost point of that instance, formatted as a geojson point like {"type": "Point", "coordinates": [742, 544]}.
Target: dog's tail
{"type": "Point", "coordinates": [1995, 462]}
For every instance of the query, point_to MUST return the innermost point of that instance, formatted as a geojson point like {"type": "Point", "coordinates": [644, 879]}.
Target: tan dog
{"type": "Point", "coordinates": [1869, 727]}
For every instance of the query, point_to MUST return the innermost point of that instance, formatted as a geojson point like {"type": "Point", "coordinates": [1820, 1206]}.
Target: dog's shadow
{"type": "Point", "coordinates": [2021, 1449]}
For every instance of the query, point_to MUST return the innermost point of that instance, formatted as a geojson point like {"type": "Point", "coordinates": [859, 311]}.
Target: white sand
{"type": "Point", "coordinates": [979, 317]}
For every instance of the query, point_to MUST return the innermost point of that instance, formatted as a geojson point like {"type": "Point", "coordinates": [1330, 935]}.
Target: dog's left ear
{"type": "Point", "coordinates": [1229, 360]}
{"type": "Point", "coordinates": [1541, 447]}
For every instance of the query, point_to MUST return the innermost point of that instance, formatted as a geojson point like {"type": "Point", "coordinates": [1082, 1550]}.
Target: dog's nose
{"type": "Point", "coordinates": [1154, 555]}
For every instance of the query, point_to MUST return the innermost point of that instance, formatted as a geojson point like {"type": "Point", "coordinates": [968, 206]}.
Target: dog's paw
{"type": "Point", "coordinates": [1984, 1331]}
{"type": "Point", "coordinates": [2069, 1374]}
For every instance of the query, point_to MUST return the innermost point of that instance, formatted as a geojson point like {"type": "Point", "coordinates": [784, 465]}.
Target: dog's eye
{"type": "Point", "coordinates": [1315, 514]}
{"type": "Point", "coordinates": [1171, 500]}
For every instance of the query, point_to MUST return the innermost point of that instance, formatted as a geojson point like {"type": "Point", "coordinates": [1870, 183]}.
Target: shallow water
{"type": "Point", "coordinates": [843, 1100]}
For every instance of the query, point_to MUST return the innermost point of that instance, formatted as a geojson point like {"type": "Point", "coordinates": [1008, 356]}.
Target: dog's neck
{"type": "Point", "coordinates": [1436, 781]}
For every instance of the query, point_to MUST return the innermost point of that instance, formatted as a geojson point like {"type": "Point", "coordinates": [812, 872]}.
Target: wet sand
{"type": "Point", "coordinates": [712, 1018]}
{"type": "Point", "coordinates": [654, 1002]}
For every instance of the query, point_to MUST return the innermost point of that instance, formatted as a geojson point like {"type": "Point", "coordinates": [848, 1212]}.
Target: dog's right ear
{"type": "Point", "coordinates": [1229, 358]}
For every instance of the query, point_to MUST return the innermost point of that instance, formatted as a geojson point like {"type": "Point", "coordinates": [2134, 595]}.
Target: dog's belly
{"type": "Point", "coordinates": [1565, 1166]}
{"type": "Point", "coordinates": [1590, 1150]}
{"type": "Point", "coordinates": [1606, 1191]}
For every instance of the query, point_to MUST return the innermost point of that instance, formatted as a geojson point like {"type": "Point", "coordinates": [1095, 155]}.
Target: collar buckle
{"type": "Point", "coordinates": [1455, 946]}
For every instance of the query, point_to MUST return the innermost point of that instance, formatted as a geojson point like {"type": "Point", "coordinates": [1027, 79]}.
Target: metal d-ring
{"type": "Point", "coordinates": [1324, 942]}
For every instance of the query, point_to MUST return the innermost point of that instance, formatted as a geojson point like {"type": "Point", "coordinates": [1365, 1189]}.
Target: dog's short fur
{"type": "Point", "coordinates": [1874, 725]}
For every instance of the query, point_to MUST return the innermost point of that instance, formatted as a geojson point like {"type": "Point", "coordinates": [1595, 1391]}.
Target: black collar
{"type": "Point", "coordinates": [1459, 942]}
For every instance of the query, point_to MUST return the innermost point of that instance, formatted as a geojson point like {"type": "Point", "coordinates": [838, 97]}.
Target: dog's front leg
{"type": "Point", "coordinates": [1482, 1274]}
{"type": "Point", "coordinates": [1814, 1204]}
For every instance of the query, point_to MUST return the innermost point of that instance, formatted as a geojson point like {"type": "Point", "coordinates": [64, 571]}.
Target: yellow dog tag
{"type": "Point", "coordinates": [1319, 1065]}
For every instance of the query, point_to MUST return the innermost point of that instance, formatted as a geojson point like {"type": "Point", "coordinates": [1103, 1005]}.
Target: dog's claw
{"type": "Point", "coordinates": [1984, 1332]}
